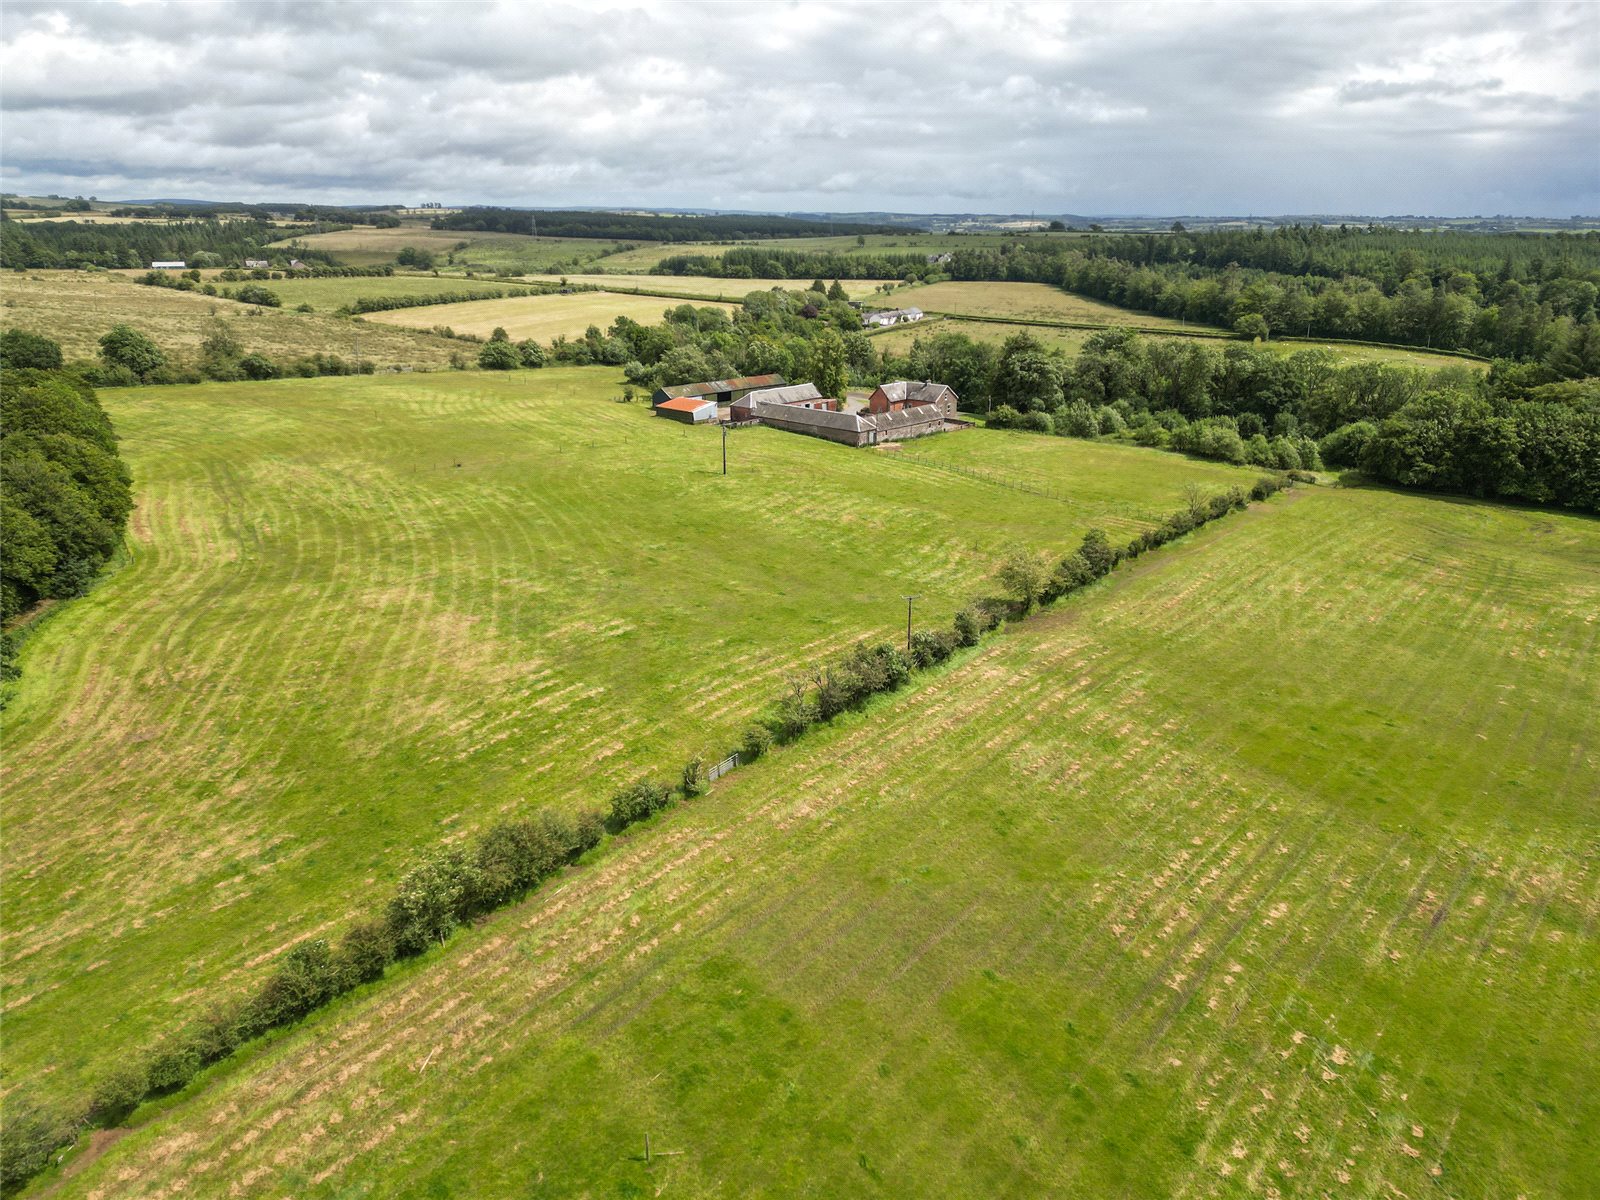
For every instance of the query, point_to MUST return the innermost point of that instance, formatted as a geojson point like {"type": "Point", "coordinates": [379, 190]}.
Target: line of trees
{"type": "Point", "coordinates": [1518, 431]}
{"type": "Point", "coordinates": [65, 493]}
{"type": "Point", "coordinates": [202, 243]}
{"type": "Point", "coordinates": [763, 262]}
{"type": "Point", "coordinates": [645, 227]}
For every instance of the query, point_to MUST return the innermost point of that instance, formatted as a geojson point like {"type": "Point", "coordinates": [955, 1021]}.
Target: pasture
{"type": "Point", "coordinates": [898, 340]}
{"type": "Point", "coordinates": [326, 295]}
{"type": "Point", "coordinates": [649, 254]}
{"type": "Point", "coordinates": [1268, 867]}
{"type": "Point", "coordinates": [543, 318]}
{"type": "Point", "coordinates": [1030, 301]}
{"type": "Point", "coordinates": [361, 615]}
{"type": "Point", "coordinates": [711, 285]}
{"type": "Point", "coordinates": [502, 253]}
{"type": "Point", "coordinates": [77, 307]}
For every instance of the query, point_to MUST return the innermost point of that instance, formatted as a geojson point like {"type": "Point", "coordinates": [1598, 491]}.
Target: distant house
{"type": "Point", "coordinates": [296, 265]}
{"type": "Point", "coordinates": [795, 393]}
{"type": "Point", "coordinates": [256, 264]}
{"type": "Point", "coordinates": [904, 393]}
{"type": "Point", "coordinates": [688, 409]}
{"type": "Point", "coordinates": [176, 265]}
{"type": "Point", "coordinates": [940, 258]}
{"type": "Point", "coordinates": [891, 316]}
{"type": "Point", "coordinates": [723, 391]}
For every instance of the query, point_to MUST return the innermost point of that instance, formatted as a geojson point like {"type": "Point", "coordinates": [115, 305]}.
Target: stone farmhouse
{"type": "Point", "coordinates": [891, 316]}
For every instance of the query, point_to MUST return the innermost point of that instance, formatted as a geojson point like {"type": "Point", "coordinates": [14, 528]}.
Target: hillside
{"type": "Point", "coordinates": [361, 614]}
{"type": "Point", "coordinates": [1267, 868]}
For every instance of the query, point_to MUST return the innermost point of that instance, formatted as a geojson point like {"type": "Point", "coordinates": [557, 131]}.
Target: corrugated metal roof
{"type": "Point", "coordinates": [785, 395]}
{"type": "Point", "coordinates": [724, 385]}
{"type": "Point", "coordinates": [686, 404]}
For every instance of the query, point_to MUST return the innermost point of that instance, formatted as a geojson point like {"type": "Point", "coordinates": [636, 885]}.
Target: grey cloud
{"type": "Point", "coordinates": [1097, 108]}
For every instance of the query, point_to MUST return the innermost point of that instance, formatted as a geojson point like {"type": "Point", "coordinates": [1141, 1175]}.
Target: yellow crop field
{"type": "Point", "coordinates": [1030, 301]}
{"type": "Point", "coordinates": [542, 318]}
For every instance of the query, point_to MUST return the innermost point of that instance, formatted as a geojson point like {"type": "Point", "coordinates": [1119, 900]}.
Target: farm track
{"type": "Point", "coordinates": [1095, 910]}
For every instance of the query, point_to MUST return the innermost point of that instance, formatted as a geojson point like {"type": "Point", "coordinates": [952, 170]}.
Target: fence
{"type": "Point", "coordinates": [723, 767]}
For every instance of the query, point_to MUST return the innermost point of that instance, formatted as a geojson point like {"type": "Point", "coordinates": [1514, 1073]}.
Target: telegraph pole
{"type": "Point", "coordinates": [725, 449]}
{"type": "Point", "coordinates": [908, 600]}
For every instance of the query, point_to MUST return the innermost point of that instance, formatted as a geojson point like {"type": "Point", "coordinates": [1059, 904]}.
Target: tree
{"type": "Point", "coordinates": [20, 350]}
{"type": "Point", "coordinates": [1026, 376]}
{"type": "Point", "coordinates": [499, 355]}
{"type": "Point", "coordinates": [410, 256]}
{"type": "Point", "coordinates": [836, 291]}
{"type": "Point", "coordinates": [1252, 326]}
{"type": "Point", "coordinates": [125, 347]}
{"type": "Point", "coordinates": [828, 363]}
{"type": "Point", "coordinates": [1024, 576]}
{"type": "Point", "coordinates": [254, 293]}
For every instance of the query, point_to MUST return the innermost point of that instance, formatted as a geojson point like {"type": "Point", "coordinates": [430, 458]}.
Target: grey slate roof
{"type": "Point", "coordinates": [785, 395]}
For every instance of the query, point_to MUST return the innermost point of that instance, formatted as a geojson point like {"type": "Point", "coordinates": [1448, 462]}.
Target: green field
{"type": "Point", "coordinates": [505, 253]}
{"type": "Point", "coordinates": [1029, 301]}
{"type": "Point", "coordinates": [543, 318]}
{"type": "Point", "coordinates": [76, 307]}
{"type": "Point", "coordinates": [360, 615]}
{"type": "Point", "coordinates": [647, 255]}
{"type": "Point", "coordinates": [898, 340]}
{"type": "Point", "coordinates": [1268, 868]}
{"type": "Point", "coordinates": [711, 285]}
{"type": "Point", "coordinates": [326, 295]}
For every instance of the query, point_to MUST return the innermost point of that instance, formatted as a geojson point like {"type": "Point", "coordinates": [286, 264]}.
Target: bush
{"type": "Point", "coordinates": [1097, 552]}
{"type": "Point", "coordinates": [254, 293]}
{"type": "Point", "coordinates": [258, 366]}
{"type": "Point", "coordinates": [32, 1134]}
{"type": "Point", "coordinates": [968, 627]}
{"type": "Point", "coordinates": [429, 901]}
{"type": "Point", "coordinates": [20, 350]}
{"type": "Point", "coordinates": [930, 647]}
{"type": "Point", "coordinates": [757, 741]}
{"type": "Point", "coordinates": [636, 802]}
{"type": "Point", "coordinates": [1036, 422]}
{"type": "Point", "coordinates": [531, 353]}
{"type": "Point", "coordinates": [693, 781]}
{"type": "Point", "coordinates": [1004, 417]}
{"type": "Point", "coordinates": [118, 1093]}
{"type": "Point", "coordinates": [303, 981]}
{"type": "Point", "coordinates": [499, 356]}
{"type": "Point", "coordinates": [587, 830]}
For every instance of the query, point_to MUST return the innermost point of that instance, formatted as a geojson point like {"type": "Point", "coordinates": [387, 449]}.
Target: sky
{"type": "Point", "coordinates": [1107, 108]}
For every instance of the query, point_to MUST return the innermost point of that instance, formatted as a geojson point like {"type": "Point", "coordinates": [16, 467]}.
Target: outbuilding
{"type": "Point", "coordinates": [795, 393]}
{"type": "Point", "coordinates": [176, 265]}
{"type": "Point", "coordinates": [907, 393]}
{"type": "Point", "coordinates": [723, 391]}
{"type": "Point", "coordinates": [688, 409]}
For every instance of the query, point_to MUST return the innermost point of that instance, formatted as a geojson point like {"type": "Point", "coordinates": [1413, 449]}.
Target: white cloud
{"type": "Point", "coordinates": [1086, 108]}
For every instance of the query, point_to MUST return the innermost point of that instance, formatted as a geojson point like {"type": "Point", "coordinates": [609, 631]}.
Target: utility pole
{"type": "Point", "coordinates": [909, 599]}
{"type": "Point", "coordinates": [725, 448]}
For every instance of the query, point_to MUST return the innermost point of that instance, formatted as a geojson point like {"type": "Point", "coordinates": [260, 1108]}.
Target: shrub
{"type": "Point", "coordinates": [930, 647]}
{"type": "Point", "coordinates": [1004, 417]}
{"type": "Point", "coordinates": [968, 627]}
{"type": "Point", "coordinates": [636, 802]}
{"type": "Point", "coordinates": [257, 366]}
{"type": "Point", "coordinates": [1072, 573]}
{"type": "Point", "coordinates": [757, 741]}
{"type": "Point", "coordinates": [1110, 420]}
{"type": "Point", "coordinates": [173, 1064]}
{"type": "Point", "coordinates": [587, 830]}
{"type": "Point", "coordinates": [254, 293]}
{"type": "Point", "coordinates": [1344, 446]}
{"type": "Point", "coordinates": [20, 350]}
{"type": "Point", "coordinates": [303, 981]}
{"type": "Point", "coordinates": [694, 779]}
{"type": "Point", "coordinates": [531, 353]}
{"type": "Point", "coordinates": [428, 901]}
{"type": "Point", "coordinates": [795, 712]}
{"type": "Point", "coordinates": [1098, 552]}
{"type": "Point", "coordinates": [1036, 422]}
{"type": "Point", "coordinates": [1025, 577]}
{"type": "Point", "coordinates": [511, 857]}
{"type": "Point", "coordinates": [32, 1134]}
{"type": "Point", "coordinates": [1302, 477]}
{"type": "Point", "coordinates": [118, 1093]}
{"type": "Point", "coordinates": [499, 356]}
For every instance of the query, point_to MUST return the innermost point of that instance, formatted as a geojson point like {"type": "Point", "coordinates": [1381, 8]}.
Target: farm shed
{"type": "Point", "coordinates": [176, 265]}
{"type": "Point", "coordinates": [905, 393]}
{"type": "Point", "coordinates": [723, 391]}
{"type": "Point", "coordinates": [688, 409]}
{"type": "Point", "coordinates": [256, 264]}
{"type": "Point", "coordinates": [852, 429]}
{"type": "Point", "coordinates": [794, 393]}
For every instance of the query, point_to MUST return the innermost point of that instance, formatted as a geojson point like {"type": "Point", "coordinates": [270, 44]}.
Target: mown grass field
{"type": "Point", "coordinates": [326, 295]}
{"type": "Point", "coordinates": [1033, 301]}
{"type": "Point", "coordinates": [899, 339]}
{"type": "Point", "coordinates": [331, 646]}
{"type": "Point", "coordinates": [1269, 867]}
{"type": "Point", "coordinates": [710, 285]}
{"type": "Point", "coordinates": [76, 307]}
{"type": "Point", "coordinates": [502, 252]}
{"type": "Point", "coordinates": [542, 318]}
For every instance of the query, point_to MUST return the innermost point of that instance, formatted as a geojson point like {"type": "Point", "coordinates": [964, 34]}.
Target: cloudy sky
{"type": "Point", "coordinates": [1381, 108]}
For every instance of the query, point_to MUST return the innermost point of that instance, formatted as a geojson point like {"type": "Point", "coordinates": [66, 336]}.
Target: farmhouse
{"type": "Point", "coordinates": [688, 409]}
{"type": "Point", "coordinates": [892, 316]}
{"type": "Point", "coordinates": [177, 265]}
{"type": "Point", "coordinates": [723, 391]}
{"type": "Point", "coordinates": [905, 394]}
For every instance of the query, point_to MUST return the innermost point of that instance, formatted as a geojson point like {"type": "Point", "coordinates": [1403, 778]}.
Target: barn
{"type": "Point", "coordinates": [795, 393]}
{"type": "Point", "coordinates": [906, 393]}
{"type": "Point", "coordinates": [688, 409]}
{"type": "Point", "coordinates": [723, 391]}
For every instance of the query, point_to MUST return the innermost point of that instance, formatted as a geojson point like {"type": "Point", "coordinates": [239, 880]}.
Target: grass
{"type": "Point", "coordinates": [1030, 301]}
{"type": "Point", "coordinates": [543, 318]}
{"type": "Point", "coordinates": [362, 615]}
{"type": "Point", "coordinates": [77, 307]}
{"type": "Point", "coordinates": [710, 285]}
{"type": "Point", "coordinates": [326, 295]}
{"type": "Point", "coordinates": [1269, 867]}
{"type": "Point", "coordinates": [504, 253]}
{"type": "Point", "coordinates": [899, 339]}
{"type": "Point", "coordinates": [647, 255]}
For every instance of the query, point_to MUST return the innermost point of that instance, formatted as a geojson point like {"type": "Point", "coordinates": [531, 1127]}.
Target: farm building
{"type": "Point", "coordinates": [256, 264]}
{"type": "Point", "coordinates": [176, 265]}
{"type": "Point", "coordinates": [795, 393]}
{"type": "Point", "coordinates": [852, 429]}
{"type": "Point", "coordinates": [891, 316]}
{"type": "Point", "coordinates": [904, 394]}
{"type": "Point", "coordinates": [723, 391]}
{"type": "Point", "coordinates": [688, 409]}
{"type": "Point", "coordinates": [296, 265]}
